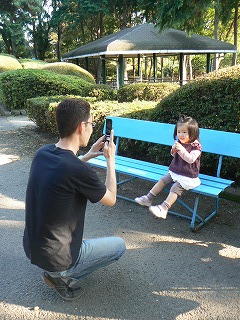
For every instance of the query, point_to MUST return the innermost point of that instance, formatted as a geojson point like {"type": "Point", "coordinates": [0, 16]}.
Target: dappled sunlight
{"type": "Point", "coordinates": [11, 203]}
{"type": "Point", "coordinates": [230, 252]}
{"type": "Point", "coordinates": [141, 238]}
{"type": "Point", "coordinates": [9, 311]}
{"type": "Point", "coordinates": [208, 298]}
{"type": "Point", "coordinates": [32, 312]}
{"type": "Point", "coordinates": [8, 158]}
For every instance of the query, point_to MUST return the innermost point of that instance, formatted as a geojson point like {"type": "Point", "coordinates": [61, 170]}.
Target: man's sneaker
{"type": "Point", "coordinates": [143, 201]}
{"type": "Point", "coordinates": [158, 211]}
{"type": "Point", "coordinates": [62, 287]}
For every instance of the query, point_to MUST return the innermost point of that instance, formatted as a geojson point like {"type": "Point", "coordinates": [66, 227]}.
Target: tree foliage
{"type": "Point", "coordinates": [54, 27]}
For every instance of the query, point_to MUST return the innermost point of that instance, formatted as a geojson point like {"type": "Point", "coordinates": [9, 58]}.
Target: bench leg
{"type": "Point", "coordinates": [194, 215]}
{"type": "Point", "coordinates": [194, 226]}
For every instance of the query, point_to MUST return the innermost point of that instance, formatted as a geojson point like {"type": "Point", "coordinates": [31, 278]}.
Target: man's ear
{"type": "Point", "coordinates": [80, 127]}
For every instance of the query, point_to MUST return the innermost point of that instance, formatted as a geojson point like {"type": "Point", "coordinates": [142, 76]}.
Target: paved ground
{"type": "Point", "coordinates": [167, 272]}
{"type": "Point", "coordinates": [14, 122]}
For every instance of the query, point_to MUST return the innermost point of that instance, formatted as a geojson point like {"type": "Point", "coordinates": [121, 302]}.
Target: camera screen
{"type": "Point", "coordinates": [108, 126]}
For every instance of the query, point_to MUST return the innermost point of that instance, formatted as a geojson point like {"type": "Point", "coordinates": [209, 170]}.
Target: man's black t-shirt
{"type": "Point", "coordinates": [58, 189]}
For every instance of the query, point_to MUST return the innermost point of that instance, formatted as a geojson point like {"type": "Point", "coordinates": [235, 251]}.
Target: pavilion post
{"type": "Point", "coordinates": [86, 63]}
{"type": "Point", "coordinates": [154, 67]}
{"type": "Point", "coordinates": [103, 69]}
{"type": "Point", "coordinates": [133, 65]}
{"type": "Point", "coordinates": [208, 66]}
{"type": "Point", "coordinates": [182, 69]}
{"type": "Point", "coordinates": [139, 65]}
{"type": "Point", "coordinates": [161, 69]}
{"type": "Point", "coordinates": [121, 70]}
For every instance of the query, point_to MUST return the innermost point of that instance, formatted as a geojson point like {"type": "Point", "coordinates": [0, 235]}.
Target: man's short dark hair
{"type": "Point", "coordinates": [69, 113]}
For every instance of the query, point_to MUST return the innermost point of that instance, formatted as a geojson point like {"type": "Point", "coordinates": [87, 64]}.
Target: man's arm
{"type": "Point", "coordinates": [109, 199]}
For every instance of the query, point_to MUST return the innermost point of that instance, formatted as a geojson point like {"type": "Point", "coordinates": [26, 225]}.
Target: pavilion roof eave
{"type": "Point", "coordinates": [148, 52]}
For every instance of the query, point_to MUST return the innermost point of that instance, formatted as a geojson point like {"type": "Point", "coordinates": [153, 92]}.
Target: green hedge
{"type": "Point", "coordinates": [69, 69]}
{"type": "Point", "coordinates": [18, 86]}
{"type": "Point", "coordinates": [214, 104]}
{"type": "Point", "coordinates": [9, 62]}
{"type": "Point", "coordinates": [42, 111]}
{"type": "Point", "coordinates": [101, 92]}
{"type": "Point", "coordinates": [146, 91]}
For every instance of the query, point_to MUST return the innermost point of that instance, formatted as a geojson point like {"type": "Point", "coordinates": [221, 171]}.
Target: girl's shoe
{"type": "Point", "coordinates": [144, 201]}
{"type": "Point", "coordinates": [158, 211]}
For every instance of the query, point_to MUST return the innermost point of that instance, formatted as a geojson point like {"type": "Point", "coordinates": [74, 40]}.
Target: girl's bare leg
{"type": "Point", "coordinates": [157, 188]}
{"type": "Point", "coordinates": [171, 199]}
{"type": "Point", "coordinates": [147, 199]}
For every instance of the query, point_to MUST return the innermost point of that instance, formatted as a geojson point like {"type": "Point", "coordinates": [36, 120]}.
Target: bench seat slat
{"type": "Point", "coordinates": [162, 170]}
{"type": "Point", "coordinates": [140, 170]}
{"type": "Point", "coordinates": [159, 167]}
{"type": "Point", "coordinates": [214, 181]}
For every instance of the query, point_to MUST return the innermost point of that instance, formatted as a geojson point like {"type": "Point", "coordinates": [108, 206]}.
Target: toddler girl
{"type": "Point", "coordinates": [183, 170]}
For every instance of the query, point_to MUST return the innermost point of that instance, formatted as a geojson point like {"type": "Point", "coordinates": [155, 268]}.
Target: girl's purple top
{"type": "Point", "coordinates": [180, 166]}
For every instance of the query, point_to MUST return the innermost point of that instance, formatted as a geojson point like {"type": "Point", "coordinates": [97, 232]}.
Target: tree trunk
{"type": "Point", "coordinates": [7, 40]}
{"type": "Point", "coordinates": [235, 33]}
{"type": "Point", "coordinates": [215, 33]}
{"type": "Point", "coordinates": [101, 25]}
{"type": "Point", "coordinates": [12, 36]}
{"type": "Point", "coordinates": [58, 45]}
{"type": "Point", "coordinates": [34, 38]}
{"type": "Point", "coordinates": [99, 71]}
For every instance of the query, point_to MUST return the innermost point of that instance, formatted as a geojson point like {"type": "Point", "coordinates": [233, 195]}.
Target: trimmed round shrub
{"type": "Point", "coordinates": [101, 92]}
{"type": "Point", "coordinates": [146, 91]}
{"type": "Point", "coordinates": [9, 62]}
{"type": "Point", "coordinates": [215, 104]}
{"type": "Point", "coordinates": [32, 63]}
{"type": "Point", "coordinates": [224, 73]}
{"type": "Point", "coordinates": [18, 86]}
{"type": "Point", "coordinates": [69, 69]}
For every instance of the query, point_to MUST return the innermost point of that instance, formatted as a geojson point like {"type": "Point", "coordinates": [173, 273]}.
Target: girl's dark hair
{"type": "Point", "coordinates": [192, 125]}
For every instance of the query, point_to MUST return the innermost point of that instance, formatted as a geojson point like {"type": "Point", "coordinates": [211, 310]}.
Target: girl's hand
{"type": "Point", "coordinates": [173, 150]}
{"type": "Point", "coordinates": [177, 146]}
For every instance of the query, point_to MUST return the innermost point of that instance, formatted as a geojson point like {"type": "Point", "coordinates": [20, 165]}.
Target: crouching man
{"type": "Point", "coordinates": [59, 187]}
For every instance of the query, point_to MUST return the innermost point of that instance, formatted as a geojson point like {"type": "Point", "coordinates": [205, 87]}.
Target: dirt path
{"type": "Point", "coordinates": [167, 272]}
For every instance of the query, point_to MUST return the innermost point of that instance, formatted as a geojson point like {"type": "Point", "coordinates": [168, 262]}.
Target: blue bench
{"type": "Point", "coordinates": [213, 141]}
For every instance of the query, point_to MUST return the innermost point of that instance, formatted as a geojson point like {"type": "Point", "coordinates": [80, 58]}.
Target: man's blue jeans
{"type": "Point", "coordinates": [94, 254]}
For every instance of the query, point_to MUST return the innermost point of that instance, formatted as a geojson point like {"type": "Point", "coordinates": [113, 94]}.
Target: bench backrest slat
{"type": "Point", "coordinates": [213, 141]}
